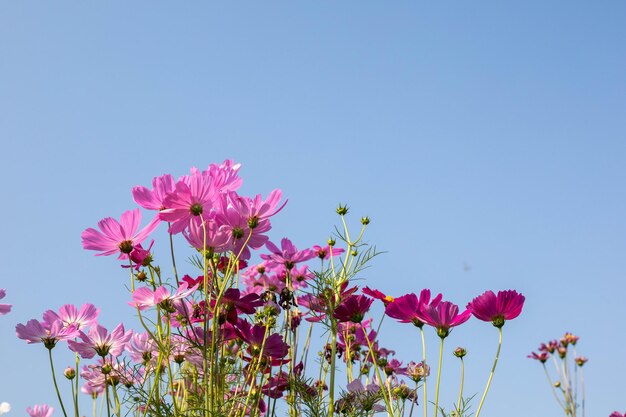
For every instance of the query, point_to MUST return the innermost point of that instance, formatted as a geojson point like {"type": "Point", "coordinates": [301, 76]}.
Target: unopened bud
{"type": "Point", "coordinates": [331, 242]}
{"type": "Point", "coordinates": [581, 360]}
{"type": "Point", "coordinates": [365, 221]}
{"type": "Point", "coordinates": [342, 210]}
{"type": "Point", "coordinates": [69, 373]}
{"type": "Point", "coordinates": [459, 352]}
{"type": "Point", "coordinates": [141, 276]}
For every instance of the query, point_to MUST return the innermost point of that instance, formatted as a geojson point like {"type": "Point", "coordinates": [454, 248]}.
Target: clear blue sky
{"type": "Point", "coordinates": [483, 133]}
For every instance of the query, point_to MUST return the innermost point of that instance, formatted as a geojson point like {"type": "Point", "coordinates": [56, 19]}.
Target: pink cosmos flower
{"type": "Point", "coordinates": [43, 410]}
{"type": "Point", "coordinates": [48, 333]}
{"type": "Point", "coordinates": [225, 176]}
{"type": "Point", "coordinates": [443, 316]}
{"type": "Point", "coordinates": [69, 315]}
{"type": "Point", "coordinates": [378, 295]}
{"type": "Point", "coordinates": [327, 251]}
{"type": "Point", "coordinates": [233, 303]}
{"type": "Point", "coordinates": [406, 309]}
{"type": "Point", "coordinates": [507, 305]}
{"type": "Point", "coordinates": [100, 341]}
{"type": "Point", "coordinates": [141, 348]}
{"type": "Point", "coordinates": [288, 255]}
{"type": "Point", "coordinates": [144, 297]}
{"type": "Point", "coordinates": [218, 237]}
{"type": "Point", "coordinates": [541, 356]}
{"type": "Point", "coordinates": [550, 347]}
{"type": "Point", "coordinates": [353, 308]}
{"type": "Point", "coordinates": [193, 196]}
{"type": "Point", "coordinates": [4, 308]}
{"type": "Point", "coordinates": [274, 346]}
{"type": "Point", "coordinates": [154, 199]}
{"type": "Point", "coordinates": [617, 414]}
{"type": "Point", "coordinates": [118, 237]}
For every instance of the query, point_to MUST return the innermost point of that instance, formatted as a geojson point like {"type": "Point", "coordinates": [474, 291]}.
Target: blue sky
{"type": "Point", "coordinates": [482, 133]}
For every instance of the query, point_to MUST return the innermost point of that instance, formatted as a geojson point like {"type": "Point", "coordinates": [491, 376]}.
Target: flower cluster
{"type": "Point", "coordinates": [225, 339]}
{"type": "Point", "coordinates": [568, 371]}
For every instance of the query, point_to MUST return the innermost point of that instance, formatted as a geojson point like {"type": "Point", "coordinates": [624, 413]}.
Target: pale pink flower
{"type": "Point", "coordinates": [4, 308]}
{"type": "Point", "coordinates": [118, 237]}
{"type": "Point", "coordinates": [100, 341]}
{"type": "Point", "coordinates": [217, 236]}
{"type": "Point", "coordinates": [144, 297]}
{"type": "Point", "coordinates": [225, 176]}
{"type": "Point", "coordinates": [43, 410]}
{"type": "Point", "coordinates": [48, 333]}
{"type": "Point", "coordinates": [288, 255]}
{"type": "Point", "coordinates": [193, 196]}
{"type": "Point", "coordinates": [154, 199]}
{"type": "Point", "coordinates": [69, 315]}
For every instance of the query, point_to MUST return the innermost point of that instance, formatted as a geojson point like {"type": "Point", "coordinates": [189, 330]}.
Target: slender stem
{"type": "Point", "coordinates": [493, 369]}
{"type": "Point", "coordinates": [75, 387]}
{"type": "Point", "coordinates": [106, 390]}
{"type": "Point", "coordinates": [582, 386]}
{"type": "Point", "coordinates": [438, 376]}
{"type": "Point", "coordinates": [461, 389]}
{"type": "Point", "coordinates": [333, 353]}
{"type": "Point", "coordinates": [172, 253]}
{"type": "Point", "coordinates": [425, 400]}
{"type": "Point", "coordinates": [552, 386]}
{"type": "Point", "coordinates": [54, 379]}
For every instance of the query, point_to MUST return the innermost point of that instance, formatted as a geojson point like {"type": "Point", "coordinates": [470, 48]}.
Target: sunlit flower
{"type": "Point", "coordinates": [154, 199]}
{"type": "Point", "coordinates": [48, 333]}
{"type": "Point", "coordinates": [100, 341]}
{"type": "Point", "coordinates": [4, 308]}
{"type": "Point", "coordinates": [288, 255]}
{"type": "Point", "coordinates": [117, 237]}
{"type": "Point", "coordinates": [144, 297]}
{"type": "Point", "coordinates": [70, 315]}
{"type": "Point", "coordinates": [406, 308]}
{"type": "Point", "coordinates": [43, 410]}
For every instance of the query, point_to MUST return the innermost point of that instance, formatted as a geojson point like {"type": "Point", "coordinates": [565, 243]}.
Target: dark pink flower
{"type": "Point", "coordinates": [217, 236]}
{"type": "Point", "coordinates": [617, 414]}
{"type": "Point", "coordinates": [386, 299]}
{"type": "Point", "coordinates": [43, 410]}
{"type": "Point", "coordinates": [274, 346]}
{"type": "Point", "coordinates": [233, 303]}
{"type": "Point", "coordinates": [550, 347]}
{"type": "Point", "coordinates": [541, 356]}
{"type": "Point", "coordinates": [507, 305]}
{"type": "Point", "coordinates": [100, 341]}
{"type": "Point", "coordinates": [154, 199]}
{"type": "Point", "coordinates": [48, 333]}
{"type": "Point", "coordinates": [117, 237]}
{"type": "Point", "coordinates": [406, 308]}
{"type": "Point", "coordinates": [353, 308]}
{"type": "Point", "coordinates": [4, 308]}
{"type": "Point", "coordinates": [193, 196]}
{"type": "Point", "coordinates": [443, 316]}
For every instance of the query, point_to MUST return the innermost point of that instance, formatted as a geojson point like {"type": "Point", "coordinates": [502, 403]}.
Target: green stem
{"type": "Point", "coordinates": [438, 376]}
{"type": "Point", "coordinates": [461, 390]}
{"type": "Point", "coordinates": [172, 253]}
{"type": "Point", "coordinates": [54, 379]}
{"type": "Point", "coordinates": [493, 369]}
{"type": "Point", "coordinates": [425, 400]}
{"type": "Point", "coordinates": [552, 386]}
{"type": "Point", "coordinates": [333, 353]}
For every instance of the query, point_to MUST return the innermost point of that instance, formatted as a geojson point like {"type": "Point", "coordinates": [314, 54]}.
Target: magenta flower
{"type": "Point", "coordinates": [100, 341]}
{"type": "Point", "coordinates": [378, 295]}
{"type": "Point", "coordinates": [225, 176]}
{"type": "Point", "coordinates": [507, 305]}
{"type": "Point", "coordinates": [288, 255]}
{"type": "Point", "coordinates": [327, 251]}
{"type": "Point", "coordinates": [193, 196]}
{"type": "Point", "coordinates": [406, 308]}
{"type": "Point", "coordinates": [233, 303]}
{"type": "Point", "coordinates": [353, 308]}
{"type": "Point", "coordinates": [48, 333]}
{"type": "Point", "coordinates": [154, 199]}
{"type": "Point", "coordinates": [43, 410]}
{"type": "Point", "coordinates": [118, 237]}
{"type": "Point", "coordinates": [274, 346]}
{"type": "Point", "coordinates": [443, 316]}
{"type": "Point", "coordinates": [617, 414]}
{"type": "Point", "coordinates": [144, 297]}
{"type": "Point", "coordinates": [218, 237]}
{"type": "Point", "coordinates": [4, 308]}
{"type": "Point", "coordinates": [541, 356]}
{"type": "Point", "coordinates": [69, 315]}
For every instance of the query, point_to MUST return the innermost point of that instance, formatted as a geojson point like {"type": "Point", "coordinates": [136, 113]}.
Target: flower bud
{"type": "Point", "coordinates": [331, 242]}
{"type": "Point", "coordinates": [365, 221]}
{"type": "Point", "coordinates": [581, 360]}
{"type": "Point", "coordinates": [342, 210]}
{"type": "Point", "coordinates": [69, 373]}
{"type": "Point", "coordinates": [459, 352]}
{"type": "Point", "coordinates": [141, 276]}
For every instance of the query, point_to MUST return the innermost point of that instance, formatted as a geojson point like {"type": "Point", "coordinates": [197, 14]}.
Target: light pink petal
{"type": "Point", "coordinates": [129, 222]}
